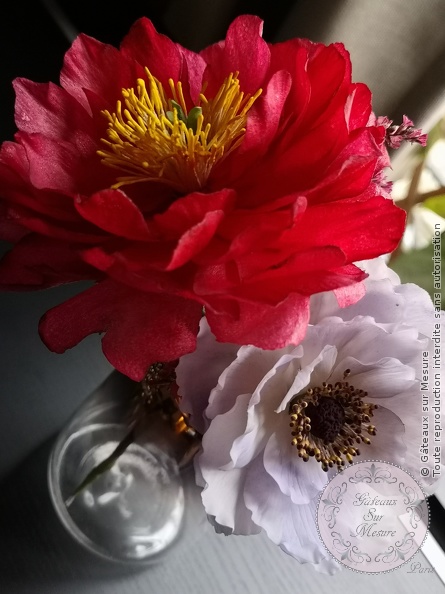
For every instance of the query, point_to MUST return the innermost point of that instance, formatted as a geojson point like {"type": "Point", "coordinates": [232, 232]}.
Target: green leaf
{"type": "Point", "coordinates": [436, 204]}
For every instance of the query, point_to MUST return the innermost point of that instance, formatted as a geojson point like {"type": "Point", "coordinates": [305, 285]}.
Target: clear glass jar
{"type": "Point", "coordinates": [131, 508]}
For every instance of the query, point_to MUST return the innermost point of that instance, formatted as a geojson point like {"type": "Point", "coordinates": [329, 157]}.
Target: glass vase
{"type": "Point", "coordinates": [115, 471]}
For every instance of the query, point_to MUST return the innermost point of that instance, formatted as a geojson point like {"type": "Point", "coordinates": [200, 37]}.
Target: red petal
{"type": "Point", "coordinates": [262, 125]}
{"type": "Point", "coordinates": [195, 239]}
{"type": "Point", "coordinates": [137, 257]}
{"type": "Point", "coordinates": [309, 283]}
{"type": "Point", "coordinates": [140, 328]}
{"type": "Point", "coordinates": [349, 295]}
{"type": "Point", "coordinates": [301, 157]}
{"type": "Point", "coordinates": [293, 56]}
{"type": "Point", "coordinates": [153, 50]}
{"type": "Point", "coordinates": [38, 262]}
{"type": "Point", "coordinates": [52, 204]}
{"type": "Point", "coordinates": [262, 278]}
{"type": "Point", "coordinates": [265, 326]}
{"type": "Point", "coordinates": [264, 117]}
{"type": "Point", "coordinates": [10, 231]}
{"type": "Point", "coordinates": [329, 73]}
{"type": "Point", "coordinates": [243, 51]}
{"type": "Point", "coordinates": [55, 164]}
{"type": "Point", "coordinates": [113, 211]}
{"type": "Point", "coordinates": [188, 211]}
{"type": "Point", "coordinates": [351, 172]}
{"type": "Point", "coordinates": [254, 232]}
{"type": "Point", "coordinates": [49, 110]}
{"type": "Point", "coordinates": [14, 172]}
{"type": "Point", "coordinates": [192, 71]}
{"type": "Point", "coordinates": [358, 106]}
{"type": "Point", "coordinates": [64, 230]}
{"type": "Point", "coordinates": [142, 268]}
{"type": "Point", "coordinates": [99, 68]}
{"type": "Point", "coordinates": [164, 58]}
{"type": "Point", "coordinates": [363, 230]}
{"type": "Point", "coordinates": [283, 277]}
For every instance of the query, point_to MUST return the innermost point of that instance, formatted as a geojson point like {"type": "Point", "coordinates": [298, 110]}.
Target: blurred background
{"type": "Point", "coordinates": [397, 46]}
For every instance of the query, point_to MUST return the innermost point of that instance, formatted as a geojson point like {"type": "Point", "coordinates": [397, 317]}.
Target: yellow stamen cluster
{"type": "Point", "coordinates": [155, 138]}
{"type": "Point", "coordinates": [327, 423]}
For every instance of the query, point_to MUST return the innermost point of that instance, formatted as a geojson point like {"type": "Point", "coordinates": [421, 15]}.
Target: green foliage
{"type": "Point", "coordinates": [436, 204]}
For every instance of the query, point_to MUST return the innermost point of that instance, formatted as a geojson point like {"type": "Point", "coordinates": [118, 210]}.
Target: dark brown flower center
{"type": "Point", "coordinates": [328, 421]}
{"type": "Point", "coordinates": [327, 418]}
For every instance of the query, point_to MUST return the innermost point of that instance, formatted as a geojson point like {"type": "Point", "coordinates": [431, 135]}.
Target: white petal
{"type": "Point", "coordinates": [380, 300]}
{"type": "Point", "coordinates": [389, 443]}
{"type": "Point", "coordinates": [223, 431]}
{"type": "Point", "coordinates": [409, 407]}
{"type": "Point", "coordinates": [241, 377]}
{"type": "Point", "coordinates": [222, 495]}
{"type": "Point", "coordinates": [223, 499]}
{"type": "Point", "coordinates": [262, 417]}
{"type": "Point", "coordinates": [324, 364]}
{"type": "Point", "coordinates": [314, 370]}
{"type": "Point", "coordinates": [301, 481]}
{"type": "Point", "coordinates": [383, 379]}
{"type": "Point", "coordinates": [378, 270]}
{"type": "Point", "coordinates": [197, 373]}
{"type": "Point", "coordinates": [418, 310]}
{"type": "Point", "coordinates": [365, 341]}
{"type": "Point", "coordinates": [291, 526]}
{"type": "Point", "coordinates": [323, 305]}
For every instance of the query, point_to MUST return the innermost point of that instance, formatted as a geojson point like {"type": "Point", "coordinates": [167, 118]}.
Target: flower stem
{"type": "Point", "coordinates": [103, 466]}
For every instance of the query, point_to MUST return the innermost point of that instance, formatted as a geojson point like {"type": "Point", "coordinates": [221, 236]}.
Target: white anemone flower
{"type": "Point", "coordinates": [277, 424]}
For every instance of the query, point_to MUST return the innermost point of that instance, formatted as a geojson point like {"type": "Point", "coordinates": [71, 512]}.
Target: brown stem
{"type": "Point", "coordinates": [431, 194]}
{"type": "Point", "coordinates": [103, 466]}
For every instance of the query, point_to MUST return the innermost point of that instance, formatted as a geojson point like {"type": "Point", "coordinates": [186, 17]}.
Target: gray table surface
{"type": "Point", "coordinates": [38, 556]}
{"type": "Point", "coordinates": [39, 391]}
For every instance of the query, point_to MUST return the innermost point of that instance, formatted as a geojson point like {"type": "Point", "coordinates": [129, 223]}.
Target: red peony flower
{"type": "Point", "coordinates": [242, 179]}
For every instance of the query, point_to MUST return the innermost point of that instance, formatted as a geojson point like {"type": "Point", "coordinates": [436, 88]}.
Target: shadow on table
{"type": "Point", "coordinates": [34, 546]}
